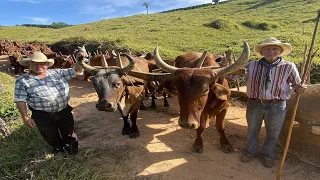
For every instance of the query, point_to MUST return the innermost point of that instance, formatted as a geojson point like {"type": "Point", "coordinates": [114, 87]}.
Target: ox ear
{"type": "Point", "coordinates": [220, 91]}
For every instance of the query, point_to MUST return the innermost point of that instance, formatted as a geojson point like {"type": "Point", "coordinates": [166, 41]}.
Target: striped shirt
{"type": "Point", "coordinates": [50, 94]}
{"type": "Point", "coordinates": [282, 76]}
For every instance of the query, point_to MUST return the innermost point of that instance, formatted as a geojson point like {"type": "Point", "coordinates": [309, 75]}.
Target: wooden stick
{"type": "Point", "coordinates": [304, 60]}
{"type": "Point", "coordinates": [295, 107]}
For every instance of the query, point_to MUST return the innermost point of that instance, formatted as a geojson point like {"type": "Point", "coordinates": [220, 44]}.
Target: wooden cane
{"type": "Point", "coordinates": [295, 107]}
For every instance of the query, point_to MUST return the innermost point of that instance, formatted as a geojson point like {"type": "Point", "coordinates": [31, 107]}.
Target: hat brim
{"type": "Point", "coordinates": [25, 61]}
{"type": "Point", "coordinates": [286, 48]}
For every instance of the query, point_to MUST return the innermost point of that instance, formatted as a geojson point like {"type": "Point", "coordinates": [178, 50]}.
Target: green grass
{"type": "Point", "coordinates": [182, 31]}
{"type": "Point", "coordinates": [8, 109]}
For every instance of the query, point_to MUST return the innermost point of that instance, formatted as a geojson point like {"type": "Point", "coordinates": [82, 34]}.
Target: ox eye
{"type": "Point", "coordinates": [116, 85]}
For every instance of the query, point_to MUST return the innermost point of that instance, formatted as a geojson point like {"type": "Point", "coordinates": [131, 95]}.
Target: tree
{"type": "Point", "coordinates": [215, 1]}
{"type": "Point", "coordinates": [147, 5]}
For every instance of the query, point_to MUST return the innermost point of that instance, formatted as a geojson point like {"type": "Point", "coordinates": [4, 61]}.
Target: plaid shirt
{"type": "Point", "coordinates": [50, 94]}
{"type": "Point", "coordinates": [283, 75]}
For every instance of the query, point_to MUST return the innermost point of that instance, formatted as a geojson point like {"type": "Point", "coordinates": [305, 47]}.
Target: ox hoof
{"type": "Point", "coordinates": [125, 131]}
{"type": "Point", "coordinates": [153, 106]}
{"type": "Point", "coordinates": [227, 148]}
{"type": "Point", "coordinates": [134, 134]}
{"type": "Point", "coordinates": [143, 107]}
{"type": "Point", "coordinates": [197, 149]}
{"type": "Point", "coordinates": [166, 105]}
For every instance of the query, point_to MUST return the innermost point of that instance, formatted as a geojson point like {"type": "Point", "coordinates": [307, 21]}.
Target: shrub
{"type": "Point", "coordinates": [260, 25]}
{"type": "Point", "coordinates": [67, 46]}
{"type": "Point", "coordinates": [221, 24]}
{"type": "Point", "coordinates": [8, 109]}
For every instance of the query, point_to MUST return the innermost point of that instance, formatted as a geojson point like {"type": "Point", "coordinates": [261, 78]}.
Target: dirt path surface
{"type": "Point", "coordinates": [163, 150]}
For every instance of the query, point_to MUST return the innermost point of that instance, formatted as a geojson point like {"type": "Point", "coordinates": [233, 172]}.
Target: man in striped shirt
{"type": "Point", "coordinates": [46, 92]}
{"type": "Point", "coordinates": [268, 87]}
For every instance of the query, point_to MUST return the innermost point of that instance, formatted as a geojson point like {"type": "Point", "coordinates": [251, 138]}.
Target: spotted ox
{"type": "Point", "coordinates": [201, 98]}
{"type": "Point", "coordinates": [117, 90]}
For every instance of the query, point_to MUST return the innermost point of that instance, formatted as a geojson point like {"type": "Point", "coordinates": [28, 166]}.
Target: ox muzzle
{"type": "Point", "coordinates": [106, 106]}
{"type": "Point", "coordinates": [190, 124]}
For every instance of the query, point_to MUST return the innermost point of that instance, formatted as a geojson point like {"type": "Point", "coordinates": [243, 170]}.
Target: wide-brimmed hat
{"type": "Point", "coordinates": [36, 57]}
{"type": "Point", "coordinates": [286, 47]}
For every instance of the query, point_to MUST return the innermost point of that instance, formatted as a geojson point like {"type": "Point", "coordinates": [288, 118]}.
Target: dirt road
{"type": "Point", "coordinates": [163, 150]}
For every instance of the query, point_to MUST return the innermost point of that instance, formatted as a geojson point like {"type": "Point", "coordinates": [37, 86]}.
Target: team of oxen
{"type": "Point", "coordinates": [123, 80]}
{"type": "Point", "coordinates": [197, 79]}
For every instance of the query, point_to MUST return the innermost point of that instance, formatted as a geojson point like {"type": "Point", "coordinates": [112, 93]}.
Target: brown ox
{"type": "Point", "coordinates": [14, 62]}
{"type": "Point", "coordinates": [62, 61]}
{"type": "Point", "coordinates": [201, 98]}
{"type": "Point", "coordinates": [117, 90]}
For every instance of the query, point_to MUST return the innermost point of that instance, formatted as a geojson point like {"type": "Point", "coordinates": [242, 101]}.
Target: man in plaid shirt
{"type": "Point", "coordinates": [268, 87]}
{"type": "Point", "coordinates": [46, 92]}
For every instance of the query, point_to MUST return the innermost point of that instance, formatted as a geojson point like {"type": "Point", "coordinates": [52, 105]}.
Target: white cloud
{"type": "Point", "coordinates": [38, 20]}
{"type": "Point", "coordinates": [27, 1]}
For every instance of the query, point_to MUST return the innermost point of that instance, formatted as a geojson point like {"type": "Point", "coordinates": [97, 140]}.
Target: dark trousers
{"type": "Point", "coordinates": [57, 129]}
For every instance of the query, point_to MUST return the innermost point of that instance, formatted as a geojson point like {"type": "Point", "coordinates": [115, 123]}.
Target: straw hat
{"type": "Point", "coordinates": [286, 47]}
{"type": "Point", "coordinates": [36, 57]}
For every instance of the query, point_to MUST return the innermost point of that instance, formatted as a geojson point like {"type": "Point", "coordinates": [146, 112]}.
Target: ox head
{"type": "Point", "coordinates": [197, 87]}
{"type": "Point", "coordinates": [108, 82]}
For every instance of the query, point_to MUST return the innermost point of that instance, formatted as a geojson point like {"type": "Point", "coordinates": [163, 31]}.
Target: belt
{"type": "Point", "coordinates": [267, 101]}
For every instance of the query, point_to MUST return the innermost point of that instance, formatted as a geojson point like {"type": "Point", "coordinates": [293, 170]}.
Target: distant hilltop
{"type": "Point", "coordinates": [196, 6]}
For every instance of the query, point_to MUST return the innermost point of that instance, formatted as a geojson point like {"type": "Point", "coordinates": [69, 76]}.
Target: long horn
{"type": "Point", "coordinates": [160, 63]}
{"type": "Point", "coordinates": [201, 60]}
{"type": "Point", "coordinates": [85, 66]}
{"type": "Point", "coordinates": [131, 64]}
{"type": "Point", "coordinates": [238, 64]}
{"type": "Point", "coordinates": [150, 76]}
{"type": "Point", "coordinates": [104, 61]}
{"type": "Point", "coordinates": [118, 61]}
{"type": "Point", "coordinates": [113, 53]}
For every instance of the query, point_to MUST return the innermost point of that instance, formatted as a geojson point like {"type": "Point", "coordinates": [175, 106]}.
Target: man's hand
{"type": "Point", "coordinates": [298, 88]}
{"type": "Point", "coordinates": [29, 122]}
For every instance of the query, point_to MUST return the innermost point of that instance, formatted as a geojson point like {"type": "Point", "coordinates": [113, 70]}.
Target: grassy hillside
{"type": "Point", "coordinates": [213, 28]}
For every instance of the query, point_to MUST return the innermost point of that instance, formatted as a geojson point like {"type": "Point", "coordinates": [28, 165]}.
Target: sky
{"type": "Point", "coordinates": [17, 12]}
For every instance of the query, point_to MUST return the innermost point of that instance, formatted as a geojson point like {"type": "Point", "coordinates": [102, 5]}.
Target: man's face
{"type": "Point", "coordinates": [38, 67]}
{"type": "Point", "coordinates": [271, 53]}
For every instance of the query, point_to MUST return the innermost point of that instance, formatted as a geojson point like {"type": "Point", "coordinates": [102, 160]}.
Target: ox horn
{"type": "Point", "coordinates": [104, 61]}
{"type": "Point", "coordinates": [84, 65]}
{"type": "Point", "coordinates": [237, 65]}
{"type": "Point", "coordinates": [118, 61]}
{"type": "Point", "coordinates": [201, 60]}
{"type": "Point", "coordinates": [114, 53]}
{"type": "Point", "coordinates": [162, 64]}
{"type": "Point", "coordinates": [131, 64]}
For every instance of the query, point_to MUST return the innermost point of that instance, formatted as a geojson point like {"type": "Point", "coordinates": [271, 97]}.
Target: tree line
{"type": "Point", "coordinates": [54, 25]}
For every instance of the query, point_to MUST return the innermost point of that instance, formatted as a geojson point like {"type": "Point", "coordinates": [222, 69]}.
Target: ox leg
{"type": "Point", "coordinates": [165, 101]}
{"type": "Point", "coordinates": [16, 70]}
{"type": "Point", "coordinates": [153, 102]}
{"type": "Point", "coordinates": [126, 126]}
{"type": "Point", "coordinates": [142, 106]}
{"type": "Point", "coordinates": [134, 131]}
{"type": "Point", "coordinates": [198, 144]}
{"type": "Point", "coordinates": [225, 145]}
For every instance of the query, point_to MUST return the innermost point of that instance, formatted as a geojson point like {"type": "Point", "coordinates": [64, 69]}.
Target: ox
{"type": "Point", "coordinates": [201, 98]}
{"type": "Point", "coordinates": [14, 62]}
{"type": "Point", "coordinates": [154, 87]}
{"type": "Point", "coordinates": [62, 61]}
{"type": "Point", "coordinates": [117, 90]}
